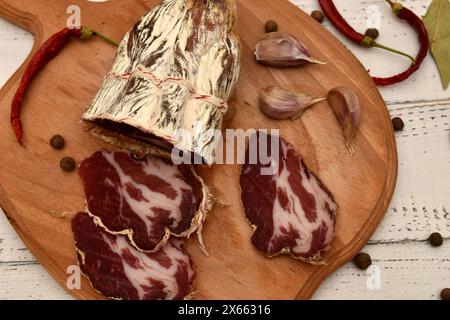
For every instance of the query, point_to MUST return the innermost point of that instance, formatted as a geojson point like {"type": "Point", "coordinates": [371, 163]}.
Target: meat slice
{"type": "Point", "coordinates": [117, 270]}
{"type": "Point", "coordinates": [291, 210]}
{"type": "Point", "coordinates": [147, 199]}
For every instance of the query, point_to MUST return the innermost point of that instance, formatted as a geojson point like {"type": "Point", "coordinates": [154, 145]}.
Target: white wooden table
{"type": "Point", "coordinates": [409, 267]}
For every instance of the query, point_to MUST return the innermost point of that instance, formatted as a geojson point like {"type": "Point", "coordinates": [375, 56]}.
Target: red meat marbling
{"type": "Point", "coordinates": [118, 270]}
{"type": "Point", "coordinates": [146, 199]}
{"type": "Point", "coordinates": [292, 211]}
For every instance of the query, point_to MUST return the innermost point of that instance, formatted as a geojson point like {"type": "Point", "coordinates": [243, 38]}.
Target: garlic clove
{"type": "Point", "coordinates": [346, 106]}
{"type": "Point", "coordinates": [279, 103]}
{"type": "Point", "coordinates": [279, 49]}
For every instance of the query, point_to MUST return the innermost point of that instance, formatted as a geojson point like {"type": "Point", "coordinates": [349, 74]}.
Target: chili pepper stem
{"type": "Point", "coordinates": [87, 33]}
{"type": "Point", "coordinates": [377, 45]}
{"type": "Point", "coordinates": [106, 39]}
{"type": "Point", "coordinates": [396, 7]}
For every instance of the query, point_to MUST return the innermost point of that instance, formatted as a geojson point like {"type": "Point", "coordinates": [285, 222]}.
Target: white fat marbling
{"type": "Point", "coordinates": [145, 208]}
{"type": "Point", "coordinates": [149, 268]}
{"type": "Point", "coordinates": [295, 216]}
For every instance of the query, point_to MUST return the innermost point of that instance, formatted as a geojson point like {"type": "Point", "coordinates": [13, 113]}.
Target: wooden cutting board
{"type": "Point", "coordinates": [33, 187]}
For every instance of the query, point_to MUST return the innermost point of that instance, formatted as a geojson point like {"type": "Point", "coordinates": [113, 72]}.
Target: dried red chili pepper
{"type": "Point", "coordinates": [332, 13]}
{"type": "Point", "coordinates": [417, 24]}
{"type": "Point", "coordinates": [48, 51]}
{"type": "Point", "coordinates": [400, 11]}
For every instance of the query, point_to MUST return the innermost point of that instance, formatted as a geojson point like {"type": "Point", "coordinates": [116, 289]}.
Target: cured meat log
{"type": "Point", "coordinates": [290, 209]}
{"type": "Point", "coordinates": [117, 270]}
{"type": "Point", "coordinates": [147, 199]}
{"type": "Point", "coordinates": [172, 77]}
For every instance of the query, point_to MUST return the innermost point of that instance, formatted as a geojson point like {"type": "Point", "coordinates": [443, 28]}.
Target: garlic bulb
{"type": "Point", "coordinates": [279, 103]}
{"type": "Point", "coordinates": [279, 49]}
{"type": "Point", "coordinates": [346, 107]}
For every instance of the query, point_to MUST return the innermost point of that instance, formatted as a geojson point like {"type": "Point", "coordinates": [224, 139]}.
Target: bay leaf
{"type": "Point", "coordinates": [437, 22]}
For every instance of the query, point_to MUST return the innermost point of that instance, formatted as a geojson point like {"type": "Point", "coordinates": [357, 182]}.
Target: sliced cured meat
{"type": "Point", "coordinates": [117, 270]}
{"type": "Point", "coordinates": [147, 199]}
{"type": "Point", "coordinates": [291, 210]}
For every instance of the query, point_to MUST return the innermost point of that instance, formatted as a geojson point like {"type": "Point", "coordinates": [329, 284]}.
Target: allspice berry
{"type": "Point", "coordinates": [436, 239]}
{"type": "Point", "coordinates": [271, 26]}
{"type": "Point", "coordinates": [67, 164]}
{"type": "Point", "coordinates": [362, 261]}
{"type": "Point", "coordinates": [398, 124]}
{"type": "Point", "coordinates": [373, 33]}
{"type": "Point", "coordinates": [318, 16]}
{"type": "Point", "coordinates": [445, 294]}
{"type": "Point", "coordinates": [57, 142]}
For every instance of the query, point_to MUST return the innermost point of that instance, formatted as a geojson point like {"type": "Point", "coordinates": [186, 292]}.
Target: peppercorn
{"type": "Point", "coordinates": [318, 15]}
{"type": "Point", "coordinates": [271, 26]}
{"type": "Point", "coordinates": [57, 142]}
{"type": "Point", "coordinates": [67, 164]}
{"type": "Point", "coordinates": [373, 33]}
{"type": "Point", "coordinates": [362, 261]}
{"type": "Point", "coordinates": [445, 294]}
{"type": "Point", "coordinates": [398, 124]}
{"type": "Point", "coordinates": [435, 239]}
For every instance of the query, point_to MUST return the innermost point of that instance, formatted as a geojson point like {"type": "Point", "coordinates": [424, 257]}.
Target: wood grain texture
{"type": "Point", "coordinates": [393, 246]}
{"type": "Point", "coordinates": [32, 186]}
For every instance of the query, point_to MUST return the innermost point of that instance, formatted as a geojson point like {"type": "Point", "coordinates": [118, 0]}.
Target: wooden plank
{"type": "Point", "coordinates": [407, 270]}
{"type": "Point", "coordinates": [29, 281]}
{"type": "Point", "coordinates": [16, 46]}
{"type": "Point", "coordinates": [421, 204]}
{"type": "Point", "coordinates": [21, 276]}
